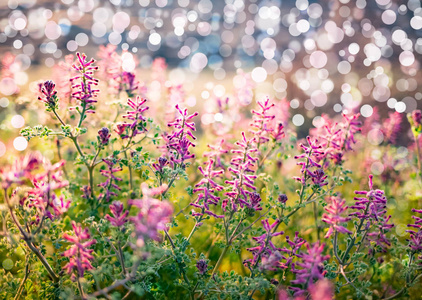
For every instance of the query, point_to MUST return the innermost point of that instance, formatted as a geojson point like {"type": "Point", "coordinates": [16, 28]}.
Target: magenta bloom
{"type": "Point", "coordinates": [108, 185]}
{"type": "Point", "coordinates": [136, 117]}
{"type": "Point", "coordinates": [21, 169]}
{"type": "Point", "coordinates": [264, 124]}
{"type": "Point", "coordinates": [43, 197]}
{"type": "Point", "coordinates": [85, 92]}
{"type": "Point", "coordinates": [335, 209]}
{"type": "Point", "coordinates": [49, 94]}
{"type": "Point", "coordinates": [374, 199]}
{"type": "Point", "coordinates": [337, 138]}
{"type": "Point", "coordinates": [162, 162]}
{"type": "Point", "coordinates": [310, 269]}
{"type": "Point", "coordinates": [104, 136]}
{"type": "Point", "coordinates": [243, 175]}
{"type": "Point", "coordinates": [417, 117]}
{"type": "Point", "coordinates": [216, 153]}
{"type": "Point", "coordinates": [322, 290]}
{"type": "Point", "coordinates": [262, 121]}
{"type": "Point", "coordinates": [391, 127]}
{"type": "Point", "coordinates": [202, 266]}
{"type": "Point", "coordinates": [79, 255]}
{"type": "Point", "coordinates": [153, 214]}
{"type": "Point", "coordinates": [129, 83]}
{"type": "Point", "coordinates": [415, 240]}
{"type": "Point", "coordinates": [119, 217]}
{"type": "Point", "coordinates": [311, 156]}
{"type": "Point", "coordinates": [179, 140]}
{"type": "Point", "coordinates": [266, 251]}
{"type": "Point", "coordinates": [370, 207]}
{"type": "Point", "coordinates": [207, 188]}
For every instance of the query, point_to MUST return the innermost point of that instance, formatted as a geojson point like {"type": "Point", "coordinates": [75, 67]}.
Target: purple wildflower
{"type": "Point", "coordinates": [349, 127]}
{"type": "Point", "coordinates": [391, 127]}
{"type": "Point", "coordinates": [162, 162]}
{"type": "Point", "coordinates": [85, 91]}
{"type": "Point", "coordinates": [370, 208]}
{"type": "Point", "coordinates": [135, 115]}
{"type": "Point", "coordinates": [207, 188]}
{"type": "Point", "coordinates": [371, 205]}
{"type": "Point", "coordinates": [338, 138]}
{"type": "Point", "coordinates": [79, 255]}
{"type": "Point", "coordinates": [129, 83]}
{"type": "Point", "coordinates": [415, 240]}
{"type": "Point", "coordinates": [318, 177]}
{"type": "Point", "coordinates": [311, 268]}
{"type": "Point", "coordinates": [266, 252]}
{"type": "Point", "coordinates": [242, 175]}
{"type": "Point", "coordinates": [104, 136]}
{"type": "Point", "coordinates": [42, 195]}
{"type": "Point", "coordinates": [322, 290]}
{"type": "Point", "coordinates": [153, 214]}
{"type": "Point", "coordinates": [20, 169]}
{"type": "Point", "coordinates": [202, 266]}
{"type": "Point", "coordinates": [282, 198]}
{"type": "Point", "coordinates": [86, 191]}
{"type": "Point", "coordinates": [120, 217]}
{"type": "Point", "coordinates": [217, 151]}
{"type": "Point", "coordinates": [108, 184]}
{"type": "Point", "coordinates": [333, 217]}
{"type": "Point", "coordinates": [262, 121]}
{"type": "Point", "coordinates": [417, 117]}
{"type": "Point", "coordinates": [50, 94]}
{"type": "Point", "coordinates": [311, 153]}
{"type": "Point", "coordinates": [178, 142]}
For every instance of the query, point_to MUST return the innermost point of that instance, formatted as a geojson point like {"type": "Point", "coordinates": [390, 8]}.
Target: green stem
{"type": "Point", "coordinates": [22, 285]}
{"type": "Point", "coordinates": [220, 259]}
{"type": "Point", "coordinates": [316, 219]}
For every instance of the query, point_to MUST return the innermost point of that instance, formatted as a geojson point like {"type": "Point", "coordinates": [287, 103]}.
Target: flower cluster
{"type": "Point", "coordinates": [138, 124]}
{"type": "Point", "coordinates": [43, 196]}
{"type": "Point", "coordinates": [391, 127]}
{"type": "Point", "coordinates": [48, 89]}
{"type": "Point", "coordinates": [266, 252]}
{"type": "Point", "coordinates": [104, 136]}
{"type": "Point", "coordinates": [179, 141]}
{"type": "Point", "coordinates": [216, 153]}
{"type": "Point", "coordinates": [84, 89]}
{"type": "Point", "coordinates": [79, 255]}
{"type": "Point", "coordinates": [202, 266]}
{"type": "Point", "coordinates": [335, 208]}
{"type": "Point", "coordinates": [20, 170]}
{"type": "Point", "coordinates": [108, 185]}
{"type": "Point", "coordinates": [337, 138]}
{"type": "Point", "coordinates": [262, 121]}
{"type": "Point", "coordinates": [129, 83]}
{"type": "Point", "coordinates": [312, 154]}
{"type": "Point", "coordinates": [311, 268]}
{"type": "Point", "coordinates": [415, 239]}
{"type": "Point", "coordinates": [152, 216]}
{"type": "Point", "coordinates": [243, 177]}
{"type": "Point", "coordinates": [207, 188]}
{"type": "Point", "coordinates": [119, 217]}
{"type": "Point", "coordinates": [371, 210]}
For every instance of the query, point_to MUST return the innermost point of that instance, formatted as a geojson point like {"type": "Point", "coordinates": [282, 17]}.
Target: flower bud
{"type": "Point", "coordinates": [417, 117]}
{"type": "Point", "coordinates": [104, 135]}
{"type": "Point", "coordinates": [282, 198]}
{"type": "Point", "coordinates": [202, 266]}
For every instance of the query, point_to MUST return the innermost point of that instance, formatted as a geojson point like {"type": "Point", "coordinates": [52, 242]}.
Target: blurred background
{"type": "Point", "coordinates": [322, 56]}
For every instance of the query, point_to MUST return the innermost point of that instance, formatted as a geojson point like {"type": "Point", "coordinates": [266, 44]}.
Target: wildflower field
{"type": "Point", "coordinates": [210, 150]}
